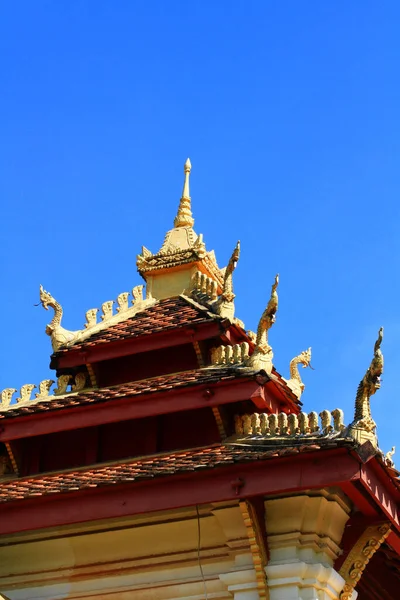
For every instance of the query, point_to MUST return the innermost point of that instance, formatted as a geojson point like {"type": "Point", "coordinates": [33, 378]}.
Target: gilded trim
{"type": "Point", "coordinates": [360, 555]}
{"type": "Point", "coordinates": [220, 424]}
{"type": "Point", "coordinates": [257, 546]}
{"type": "Point", "coordinates": [12, 458]}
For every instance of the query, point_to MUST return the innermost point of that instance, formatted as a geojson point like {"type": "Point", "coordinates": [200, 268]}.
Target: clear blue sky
{"type": "Point", "coordinates": [289, 112]}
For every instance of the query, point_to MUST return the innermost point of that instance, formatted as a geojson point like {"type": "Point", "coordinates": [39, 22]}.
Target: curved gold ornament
{"type": "Point", "coordinates": [363, 426]}
{"type": "Point", "coordinates": [225, 306]}
{"type": "Point", "coordinates": [295, 382]}
{"type": "Point", "coordinates": [262, 355]}
{"type": "Point", "coordinates": [360, 555]}
{"type": "Point", "coordinates": [58, 334]}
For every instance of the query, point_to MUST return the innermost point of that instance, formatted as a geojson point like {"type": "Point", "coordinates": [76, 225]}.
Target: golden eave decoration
{"type": "Point", "coordinates": [295, 382]}
{"type": "Point", "coordinates": [363, 428]}
{"type": "Point", "coordinates": [61, 337]}
{"type": "Point", "coordinates": [263, 355]}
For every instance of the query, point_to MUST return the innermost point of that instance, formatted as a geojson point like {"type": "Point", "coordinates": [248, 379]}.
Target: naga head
{"type": "Point", "coordinates": [227, 289]}
{"type": "Point", "coordinates": [272, 307]}
{"type": "Point", "coordinates": [372, 377]}
{"type": "Point", "coordinates": [233, 261]}
{"type": "Point", "coordinates": [46, 299]}
{"type": "Point", "coordinates": [235, 256]}
{"type": "Point", "coordinates": [305, 358]}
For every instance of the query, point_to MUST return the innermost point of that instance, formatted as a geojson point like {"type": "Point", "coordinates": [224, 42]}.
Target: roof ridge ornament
{"type": "Point", "coordinates": [184, 217]}
{"type": "Point", "coordinates": [59, 336]}
{"type": "Point", "coordinates": [295, 382]}
{"type": "Point", "coordinates": [363, 428]}
{"type": "Point", "coordinates": [77, 383]}
{"type": "Point", "coordinates": [263, 355]}
{"type": "Point", "coordinates": [182, 251]}
{"type": "Point", "coordinates": [283, 425]}
{"type": "Point", "coordinates": [225, 306]}
{"type": "Point", "coordinates": [389, 457]}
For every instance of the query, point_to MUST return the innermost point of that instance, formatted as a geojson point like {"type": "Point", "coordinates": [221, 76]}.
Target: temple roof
{"type": "Point", "coordinates": [167, 314]}
{"type": "Point", "coordinates": [184, 288]}
{"type": "Point", "coordinates": [165, 465]}
{"type": "Point", "coordinates": [152, 385]}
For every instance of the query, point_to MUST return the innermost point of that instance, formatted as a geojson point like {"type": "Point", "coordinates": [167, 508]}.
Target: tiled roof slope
{"type": "Point", "coordinates": [165, 315]}
{"type": "Point", "coordinates": [151, 467]}
{"type": "Point", "coordinates": [152, 385]}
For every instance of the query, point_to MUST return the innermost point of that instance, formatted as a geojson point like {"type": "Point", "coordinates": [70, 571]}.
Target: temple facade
{"type": "Point", "coordinates": [169, 459]}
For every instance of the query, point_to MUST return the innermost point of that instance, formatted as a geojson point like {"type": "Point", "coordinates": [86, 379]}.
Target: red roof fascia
{"type": "Point", "coordinates": [380, 486]}
{"type": "Point", "coordinates": [284, 394]}
{"type": "Point", "coordinates": [374, 491]}
{"type": "Point", "coordinates": [134, 345]}
{"type": "Point", "coordinates": [232, 482]}
{"type": "Point", "coordinates": [131, 407]}
{"type": "Point", "coordinates": [361, 499]}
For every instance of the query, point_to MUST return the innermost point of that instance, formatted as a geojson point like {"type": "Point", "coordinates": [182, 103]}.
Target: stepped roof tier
{"type": "Point", "coordinates": [168, 402]}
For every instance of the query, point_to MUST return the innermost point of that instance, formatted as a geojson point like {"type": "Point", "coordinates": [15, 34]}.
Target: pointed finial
{"type": "Point", "coordinates": [186, 169]}
{"type": "Point", "coordinates": [184, 216]}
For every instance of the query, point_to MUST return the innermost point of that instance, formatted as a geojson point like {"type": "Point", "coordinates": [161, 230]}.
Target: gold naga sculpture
{"type": "Point", "coordinates": [262, 355]}
{"type": "Point", "coordinates": [225, 306]}
{"type": "Point", "coordinates": [389, 457]}
{"type": "Point", "coordinates": [363, 426]}
{"type": "Point", "coordinates": [58, 334]}
{"type": "Point", "coordinates": [295, 382]}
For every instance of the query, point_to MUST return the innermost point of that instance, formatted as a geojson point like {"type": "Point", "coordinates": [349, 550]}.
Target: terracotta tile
{"type": "Point", "coordinates": [166, 314]}
{"type": "Point", "coordinates": [149, 468]}
{"type": "Point", "coordinates": [153, 385]}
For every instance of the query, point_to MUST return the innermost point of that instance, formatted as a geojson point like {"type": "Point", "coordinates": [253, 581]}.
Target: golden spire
{"type": "Point", "coordinates": [184, 216]}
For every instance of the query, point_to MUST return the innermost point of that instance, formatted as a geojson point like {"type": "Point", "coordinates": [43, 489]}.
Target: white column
{"type": "Point", "coordinates": [304, 533]}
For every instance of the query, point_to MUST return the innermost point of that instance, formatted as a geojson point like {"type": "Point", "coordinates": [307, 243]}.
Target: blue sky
{"type": "Point", "coordinates": [289, 112]}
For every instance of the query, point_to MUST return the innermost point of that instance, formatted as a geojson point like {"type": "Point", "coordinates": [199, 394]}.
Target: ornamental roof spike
{"type": "Point", "coordinates": [225, 306]}
{"type": "Point", "coordinates": [363, 428]}
{"type": "Point", "coordinates": [184, 216]}
{"type": "Point", "coordinates": [263, 355]}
